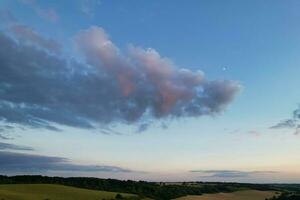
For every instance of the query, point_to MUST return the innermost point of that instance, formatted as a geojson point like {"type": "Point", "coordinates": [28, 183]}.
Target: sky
{"type": "Point", "coordinates": [151, 90]}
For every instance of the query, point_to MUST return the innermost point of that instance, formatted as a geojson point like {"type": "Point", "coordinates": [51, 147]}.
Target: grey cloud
{"type": "Point", "coordinates": [289, 123]}
{"type": "Point", "coordinates": [3, 137]}
{"type": "Point", "coordinates": [143, 127]}
{"type": "Point", "coordinates": [229, 173]}
{"type": "Point", "coordinates": [7, 146]}
{"type": "Point", "coordinates": [292, 123]}
{"type": "Point", "coordinates": [41, 90]}
{"type": "Point", "coordinates": [109, 131]}
{"type": "Point", "coordinates": [19, 162]}
{"type": "Point", "coordinates": [296, 113]}
{"type": "Point", "coordinates": [5, 130]}
{"type": "Point", "coordinates": [26, 34]}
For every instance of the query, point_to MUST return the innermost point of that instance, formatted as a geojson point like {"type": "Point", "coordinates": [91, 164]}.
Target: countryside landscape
{"type": "Point", "coordinates": [149, 100]}
{"type": "Point", "coordinates": [58, 188]}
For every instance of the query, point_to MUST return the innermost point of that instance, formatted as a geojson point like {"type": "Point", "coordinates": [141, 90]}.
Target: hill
{"type": "Point", "coordinates": [239, 195]}
{"type": "Point", "coordinates": [53, 192]}
{"type": "Point", "coordinates": [152, 190]}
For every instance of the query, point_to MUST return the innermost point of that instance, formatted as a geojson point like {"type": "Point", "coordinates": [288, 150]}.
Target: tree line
{"type": "Point", "coordinates": [158, 191]}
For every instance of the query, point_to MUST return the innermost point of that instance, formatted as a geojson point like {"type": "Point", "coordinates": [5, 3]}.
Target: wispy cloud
{"type": "Point", "coordinates": [5, 130]}
{"type": "Point", "coordinates": [289, 123]}
{"type": "Point", "coordinates": [40, 90]}
{"type": "Point", "coordinates": [46, 13]}
{"type": "Point", "coordinates": [229, 173]}
{"type": "Point", "coordinates": [3, 137]}
{"type": "Point", "coordinates": [255, 133]}
{"type": "Point", "coordinates": [88, 7]}
{"type": "Point", "coordinates": [143, 127]}
{"type": "Point", "coordinates": [26, 34]}
{"type": "Point", "coordinates": [7, 146]}
{"type": "Point", "coordinates": [292, 123]}
{"type": "Point", "coordinates": [20, 162]}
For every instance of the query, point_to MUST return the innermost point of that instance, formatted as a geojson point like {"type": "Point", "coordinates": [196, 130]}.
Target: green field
{"type": "Point", "coordinates": [60, 192]}
{"type": "Point", "coordinates": [52, 192]}
{"type": "Point", "coordinates": [240, 195]}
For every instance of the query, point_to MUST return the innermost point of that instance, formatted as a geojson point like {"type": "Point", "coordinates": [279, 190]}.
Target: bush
{"type": "Point", "coordinates": [119, 196]}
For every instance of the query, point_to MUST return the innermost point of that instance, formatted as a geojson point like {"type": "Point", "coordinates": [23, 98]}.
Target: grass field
{"type": "Point", "coordinates": [240, 195]}
{"type": "Point", "coordinates": [51, 192]}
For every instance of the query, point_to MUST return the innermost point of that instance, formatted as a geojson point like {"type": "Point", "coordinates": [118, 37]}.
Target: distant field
{"type": "Point", "coordinates": [240, 195]}
{"type": "Point", "coordinates": [52, 192]}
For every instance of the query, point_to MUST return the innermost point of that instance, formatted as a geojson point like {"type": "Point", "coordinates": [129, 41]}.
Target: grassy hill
{"type": "Point", "coordinates": [60, 192]}
{"type": "Point", "coordinates": [142, 189]}
{"type": "Point", "coordinates": [52, 192]}
{"type": "Point", "coordinates": [239, 195]}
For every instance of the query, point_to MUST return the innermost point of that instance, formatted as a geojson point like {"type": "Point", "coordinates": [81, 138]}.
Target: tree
{"type": "Point", "coordinates": [119, 196]}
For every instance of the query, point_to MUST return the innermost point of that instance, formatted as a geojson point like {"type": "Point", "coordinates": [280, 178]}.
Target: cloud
{"type": "Point", "coordinates": [292, 123]}
{"type": "Point", "coordinates": [20, 162]}
{"type": "Point", "coordinates": [289, 123]}
{"type": "Point", "coordinates": [229, 173]}
{"type": "Point", "coordinates": [3, 137]}
{"type": "Point", "coordinates": [143, 127]}
{"type": "Point", "coordinates": [40, 90]}
{"type": "Point", "coordinates": [26, 34]}
{"type": "Point", "coordinates": [7, 146]}
{"type": "Point", "coordinates": [255, 133]}
{"type": "Point", "coordinates": [47, 13]}
{"type": "Point", "coordinates": [88, 7]}
{"type": "Point", "coordinates": [4, 130]}
{"type": "Point", "coordinates": [167, 88]}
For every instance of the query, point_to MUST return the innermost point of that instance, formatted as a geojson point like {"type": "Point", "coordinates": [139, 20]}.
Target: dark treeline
{"type": "Point", "coordinates": [288, 188]}
{"type": "Point", "coordinates": [159, 191]}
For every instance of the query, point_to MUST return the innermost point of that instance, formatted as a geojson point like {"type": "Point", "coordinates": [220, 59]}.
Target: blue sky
{"type": "Point", "coordinates": [253, 44]}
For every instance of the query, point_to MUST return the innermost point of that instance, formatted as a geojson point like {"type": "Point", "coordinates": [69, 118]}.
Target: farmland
{"type": "Point", "coordinates": [52, 192]}
{"type": "Point", "coordinates": [239, 195]}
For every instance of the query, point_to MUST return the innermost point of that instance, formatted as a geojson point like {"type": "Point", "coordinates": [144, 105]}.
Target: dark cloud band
{"type": "Point", "coordinates": [7, 146]}
{"type": "Point", "coordinates": [20, 162]}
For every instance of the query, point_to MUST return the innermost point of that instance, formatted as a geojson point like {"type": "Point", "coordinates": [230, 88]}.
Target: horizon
{"type": "Point", "coordinates": [200, 91]}
{"type": "Point", "coordinates": [159, 182]}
